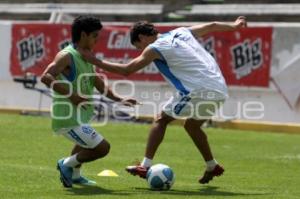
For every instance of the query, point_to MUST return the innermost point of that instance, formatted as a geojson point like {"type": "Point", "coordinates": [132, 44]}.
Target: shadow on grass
{"type": "Point", "coordinates": [93, 190]}
{"type": "Point", "coordinates": [213, 190]}
{"type": "Point", "coordinates": [204, 191]}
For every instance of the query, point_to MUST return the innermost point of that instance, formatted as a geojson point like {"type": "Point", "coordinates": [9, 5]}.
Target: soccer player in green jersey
{"type": "Point", "coordinates": [73, 81]}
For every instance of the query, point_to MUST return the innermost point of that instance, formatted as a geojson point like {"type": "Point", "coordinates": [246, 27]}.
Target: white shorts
{"type": "Point", "coordinates": [84, 136]}
{"type": "Point", "coordinates": [197, 105]}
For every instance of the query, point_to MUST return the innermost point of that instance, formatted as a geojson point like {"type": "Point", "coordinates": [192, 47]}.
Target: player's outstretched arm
{"type": "Point", "coordinates": [56, 67]}
{"type": "Point", "coordinates": [147, 56]}
{"type": "Point", "coordinates": [200, 30]}
{"type": "Point", "coordinates": [105, 90]}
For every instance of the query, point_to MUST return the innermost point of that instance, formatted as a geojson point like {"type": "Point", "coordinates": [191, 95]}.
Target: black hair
{"type": "Point", "coordinates": [85, 24]}
{"type": "Point", "coordinates": [143, 28]}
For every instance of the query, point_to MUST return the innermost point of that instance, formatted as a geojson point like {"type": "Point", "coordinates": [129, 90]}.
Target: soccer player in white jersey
{"type": "Point", "coordinates": [191, 70]}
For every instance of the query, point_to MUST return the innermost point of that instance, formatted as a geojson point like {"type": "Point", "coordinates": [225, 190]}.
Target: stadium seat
{"type": "Point", "coordinates": [261, 12]}
{"type": "Point", "coordinates": [31, 9]}
{"type": "Point", "coordinates": [116, 9]}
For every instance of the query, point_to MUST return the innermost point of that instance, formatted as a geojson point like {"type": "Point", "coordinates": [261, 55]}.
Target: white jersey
{"type": "Point", "coordinates": [185, 64]}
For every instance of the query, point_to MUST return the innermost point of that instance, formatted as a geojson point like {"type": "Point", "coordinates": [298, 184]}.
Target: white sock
{"type": "Point", "coordinates": [146, 162]}
{"type": "Point", "coordinates": [210, 165]}
{"type": "Point", "coordinates": [71, 161]}
{"type": "Point", "coordinates": [76, 173]}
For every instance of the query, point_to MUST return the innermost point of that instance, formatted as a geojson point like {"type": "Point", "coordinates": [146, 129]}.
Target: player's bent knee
{"type": "Point", "coordinates": [102, 149]}
{"type": "Point", "coordinates": [191, 124]}
{"type": "Point", "coordinates": [163, 119]}
{"type": "Point", "coordinates": [194, 130]}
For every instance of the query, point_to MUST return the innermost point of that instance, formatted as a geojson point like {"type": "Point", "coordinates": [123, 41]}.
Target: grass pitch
{"type": "Point", "coordinates": [258, 165]}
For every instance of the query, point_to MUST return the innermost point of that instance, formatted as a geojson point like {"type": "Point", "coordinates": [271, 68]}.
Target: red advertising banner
{"type": "Point", "coordinates": [34, 46]}
{"type": "Point", "coordinates": [244, 56]}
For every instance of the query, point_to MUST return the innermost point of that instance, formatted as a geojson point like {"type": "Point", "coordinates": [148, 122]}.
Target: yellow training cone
{"type": "Point", "coordinates": [108, 173]}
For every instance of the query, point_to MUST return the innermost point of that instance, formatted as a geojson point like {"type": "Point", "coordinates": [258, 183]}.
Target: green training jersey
{"type": "Point", "coordinates": [81, 81]}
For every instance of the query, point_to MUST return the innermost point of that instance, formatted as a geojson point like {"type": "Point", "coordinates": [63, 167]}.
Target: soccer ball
{"type": "Point", "coordinates": [160, 177]}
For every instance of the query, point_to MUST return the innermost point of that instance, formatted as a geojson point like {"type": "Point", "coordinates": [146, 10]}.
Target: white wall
{"type": "Point", "coordinates": [5, 46]}
{"type": "Point", "coordinates": [276, 109]}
